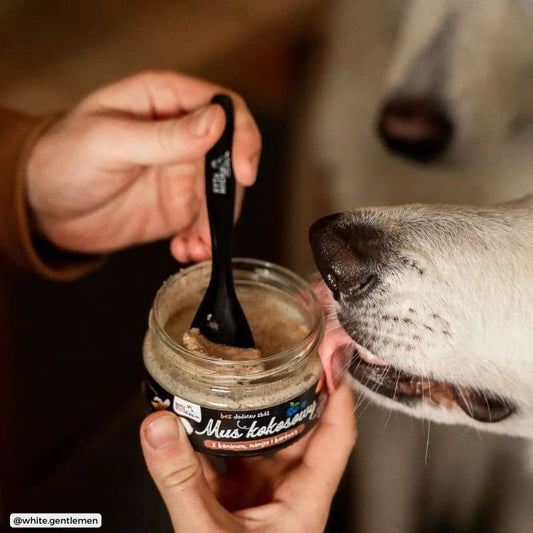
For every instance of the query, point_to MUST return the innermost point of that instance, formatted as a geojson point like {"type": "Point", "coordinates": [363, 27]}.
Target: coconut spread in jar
{"type": "Point", "coordinates": [275, 325]}
{"type": "Point", "coordinates": [194, 341]}
{"type": "Point", "coordinates": [238, 401]}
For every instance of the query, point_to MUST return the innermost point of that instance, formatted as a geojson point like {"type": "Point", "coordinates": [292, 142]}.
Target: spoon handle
{"type": "Point", "coordinates": [220, 195]}
{"type": "Point", "coordinates": [220, 317]}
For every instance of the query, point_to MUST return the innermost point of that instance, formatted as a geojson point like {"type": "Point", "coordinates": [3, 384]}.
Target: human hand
{"type": "Point", "coordinates": [126, 166]}
{"type": "Point", "coordinates": [289, 491]}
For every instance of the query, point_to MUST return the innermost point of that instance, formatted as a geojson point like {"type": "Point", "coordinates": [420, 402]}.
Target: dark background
{"type": "Point", "coordinates": [77, 358]}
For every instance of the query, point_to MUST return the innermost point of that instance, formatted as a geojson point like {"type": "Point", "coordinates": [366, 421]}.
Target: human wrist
{"type": "Point", "coordinates": [42, 254]}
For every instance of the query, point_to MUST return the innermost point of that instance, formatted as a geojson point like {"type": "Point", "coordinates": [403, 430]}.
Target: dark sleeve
{"type": "Point", "coordinates": [19, 249]}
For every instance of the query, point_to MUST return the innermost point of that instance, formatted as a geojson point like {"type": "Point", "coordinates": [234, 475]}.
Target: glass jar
{"type": "Point", "coordinates": [238, 408]}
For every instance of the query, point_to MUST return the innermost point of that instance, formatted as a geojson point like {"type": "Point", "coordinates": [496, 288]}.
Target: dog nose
{"type": "Point", "coordinates": [346, 255]}
{"type": "Point", "coordinates": [418, 128]}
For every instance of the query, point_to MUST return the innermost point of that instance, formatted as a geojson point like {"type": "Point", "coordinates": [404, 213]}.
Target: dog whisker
{"type": "Point", "coordinates": [389, 415]}
{"type": "Point", "coordinates": [426, 454]}
{"type": "Point", "coordinates": [466, 402]}
{"type": "Point", "coordinates": [429, 427]}
{"type": "Point", "coordinates": [374, 388]}
{"type": "Point", "coordinates": [393, 399]}
{"type": "Point", "coordinates": [487, 403]}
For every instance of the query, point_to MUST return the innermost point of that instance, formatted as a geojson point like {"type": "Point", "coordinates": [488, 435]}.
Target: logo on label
{"type": "Point", "coordinates": [188, 409]}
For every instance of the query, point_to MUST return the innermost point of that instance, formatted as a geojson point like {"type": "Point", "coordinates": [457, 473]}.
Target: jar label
{"type": "Point", "coordinates": [241, 432]}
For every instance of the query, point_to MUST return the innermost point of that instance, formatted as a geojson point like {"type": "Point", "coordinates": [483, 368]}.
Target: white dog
{"type": "Point", "coordinates": [438, 305]}
{"type": "Point", "coordinates": [448, 82]}
{"type": "Point", "coordinates": [460, 83]}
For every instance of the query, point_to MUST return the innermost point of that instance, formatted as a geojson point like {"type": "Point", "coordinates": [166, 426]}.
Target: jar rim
{"type": "Point", "coordinates": [304, 345]}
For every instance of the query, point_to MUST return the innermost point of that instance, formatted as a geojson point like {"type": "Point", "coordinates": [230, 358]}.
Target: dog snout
{"type": "Point", "coordinates": [346, 255]}
{"type": "Point", "coordinates": [418, 128]}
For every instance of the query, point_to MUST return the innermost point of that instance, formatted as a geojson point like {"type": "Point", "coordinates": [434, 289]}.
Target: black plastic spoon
{"type": "Point", "coordinates": [220, 317]}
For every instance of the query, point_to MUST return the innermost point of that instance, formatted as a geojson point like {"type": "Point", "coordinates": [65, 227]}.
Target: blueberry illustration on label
{"type": "Point", "coordinates": [294, 407]}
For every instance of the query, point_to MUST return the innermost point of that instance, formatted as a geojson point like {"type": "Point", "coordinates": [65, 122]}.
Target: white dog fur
{"type": "Point", "coordinates": [340, 164]}
{"type": "Point", "coordinates": [461, 285]}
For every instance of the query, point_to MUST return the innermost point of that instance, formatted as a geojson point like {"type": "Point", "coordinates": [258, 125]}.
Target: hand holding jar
{"type": "Point", "coordinates": [241, 408]}
{"type": "Point", "coordinates": [289, 491]}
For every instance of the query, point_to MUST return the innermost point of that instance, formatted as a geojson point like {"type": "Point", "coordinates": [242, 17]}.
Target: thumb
{"type": "Point", "coordinates": [178, 475]}
{"type": "Point", "coordinates": [174, 140]}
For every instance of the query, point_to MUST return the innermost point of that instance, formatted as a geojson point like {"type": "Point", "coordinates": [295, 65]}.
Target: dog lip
{"type": "Point", "coordinates": [349, 293]}
{"type": "Point", "coordinates": [362, 288]}
{"type": "Point", "coordinates": [410, 389]}
{"type": "Point", "coordinates": [387, 381]}
{"type": "Point", "coordinates": [482, 406]}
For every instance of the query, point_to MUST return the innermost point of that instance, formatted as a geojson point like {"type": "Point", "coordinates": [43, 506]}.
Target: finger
{"type": "Point", "coordinates": [336, 433]}
{"type": "Point", "coordinates": [154, 94]}
{"type": "Point", "coordinates": [239, 197]}
{"type": "Point", "coordinates": [179, 249]}
{"type": "Point", "coordinates": [210, 472]}
{"type": "Point", "coordinates": [293, 453]}
{"type": "Point", "coordinates": [187, 248]}
{"type": "Point", "coordinates": [161, 94]}
{"type": "Point", "coordinates": [246, 150]}
{"type": "Point", "coordinates": [178, 475]}
{"type": "Point", "coordinates": [324, 461]}
{"type": "Point", "coordinates": [177, 140]}
{"type": "Point", "coordinates": [198, 249]}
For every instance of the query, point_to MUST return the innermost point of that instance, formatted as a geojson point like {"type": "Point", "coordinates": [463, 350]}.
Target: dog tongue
{"type": "Point", "coordinates": [336, 351]}
{"type": "Point", "coordinates": [337, 348]}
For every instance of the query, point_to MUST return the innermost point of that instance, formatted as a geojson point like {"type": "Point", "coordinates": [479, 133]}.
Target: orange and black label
{"type": "Point", "coordinates": [244, 432]}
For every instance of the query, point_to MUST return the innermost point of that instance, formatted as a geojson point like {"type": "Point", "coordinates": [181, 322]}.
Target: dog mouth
{"type": "Point", "coordinates": [340, 352]}
{"type": "Point", "coordinates": [410, 389]}
{"type": "Point", "coordinates": [351, 256]}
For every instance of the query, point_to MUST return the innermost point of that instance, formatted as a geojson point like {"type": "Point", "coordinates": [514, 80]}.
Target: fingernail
{"type": "Point", "coordinates": [202, 120]}
{"type": "Point", "coordinates": [163, 432]}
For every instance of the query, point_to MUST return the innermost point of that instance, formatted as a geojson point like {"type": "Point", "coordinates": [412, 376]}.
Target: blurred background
{"type": "Point", "coordinates": [317, 76]}
{"type": "Point", "coordinates": [77, 358]}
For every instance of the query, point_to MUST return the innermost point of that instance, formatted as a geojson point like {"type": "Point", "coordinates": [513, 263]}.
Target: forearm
{"type": "Point", "coordinates": [19, 248]}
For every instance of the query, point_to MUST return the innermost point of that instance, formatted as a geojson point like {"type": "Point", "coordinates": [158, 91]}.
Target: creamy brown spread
{"type": "Point", "coordinates": [279, 322]}
{"type": "Point", "coordinates": [276, 327]}
{"type": "Point", "coordinates": [194, 341]}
